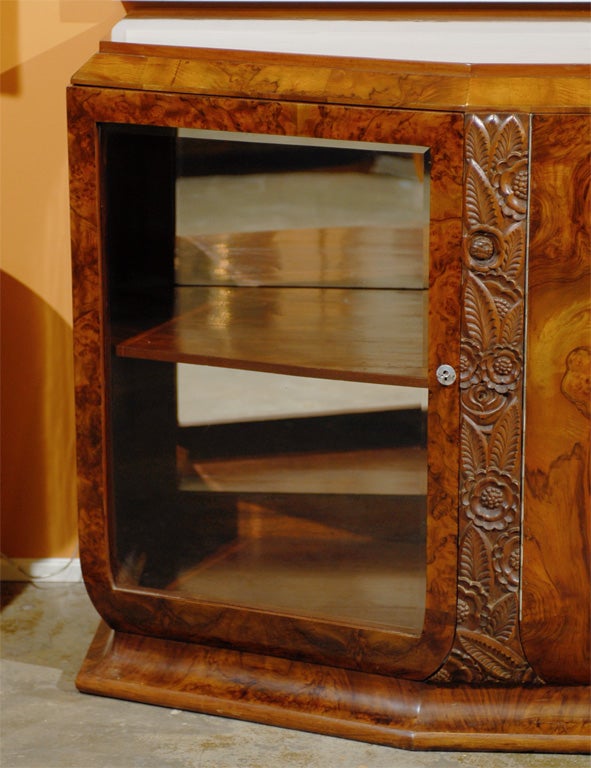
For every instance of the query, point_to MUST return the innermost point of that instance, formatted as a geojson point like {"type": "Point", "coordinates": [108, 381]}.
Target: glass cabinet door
{"type": "Point", "coordinates": [274, 306]}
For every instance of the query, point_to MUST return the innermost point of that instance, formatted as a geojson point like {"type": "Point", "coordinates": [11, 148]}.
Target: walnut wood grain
{"type": "Point", "coordinates": [152, 612]}
{"type": "Point", "coordinates": [89, 361]}
{"type": "Point", "coordinates": [293, 77]}
{"type": "Point", "coordinates": [556, 618]}
{"type": "Point", "coordinates": [336, 702]}
{"type": "Point", "coordinates": [413, 85]}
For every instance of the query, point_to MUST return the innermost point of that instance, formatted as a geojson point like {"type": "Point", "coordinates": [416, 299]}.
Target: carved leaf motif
{"type": "Point", "coordinates": [475, 559]}
{"type": "Point", "coordinates": [478, 143]}
{"type": "Point", "coordinates": [495, 657]}
{"type": "Point", "coordinates": [481, 318]}
{"type": "Point", "coordinates": [515, 251]}
{"type": "Point", "coordinates": [503, 617]}
{"type": "Point", "coordinates": [512, 329]}
{"type": "Point", "coordinates": [482, 207]}
{"type": "Point", "coordinates": [473, 448]}
{"type": "Point", "coordinates": [505, 440]}
{"type": "Point", "coordinates": [510, 143]}
{"type": "Point", "coordinates": [487, 645]}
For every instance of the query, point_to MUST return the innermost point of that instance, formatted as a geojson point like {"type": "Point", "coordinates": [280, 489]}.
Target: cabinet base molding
{"type": "Point", "coordinates": [349, 704]}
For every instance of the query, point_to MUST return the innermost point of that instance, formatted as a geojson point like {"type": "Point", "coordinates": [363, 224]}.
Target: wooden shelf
{"type": "Point", "coordinates": [395, 470]}
{"type": "Point", "coordinates": [316, 556]}
{"type": "Point", "coordinates": [358, 257]}
{"type": "Point", "coordinates": [375, 454]}
{"type": "Point", "coordinates": [358, 335]}
{"type": "Point", "coordinates": [360, 582]}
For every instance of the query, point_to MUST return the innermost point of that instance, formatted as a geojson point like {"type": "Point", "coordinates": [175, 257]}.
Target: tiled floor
{"type": "Point", "coordinates": [46, 723]}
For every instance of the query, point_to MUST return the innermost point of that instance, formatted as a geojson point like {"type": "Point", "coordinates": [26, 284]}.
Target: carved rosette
{"type": "Point", "coordinates": [487, 647]}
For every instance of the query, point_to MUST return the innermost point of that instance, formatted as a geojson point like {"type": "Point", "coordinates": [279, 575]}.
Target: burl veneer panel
{"type": "Point", "coordinates": [556, 559]}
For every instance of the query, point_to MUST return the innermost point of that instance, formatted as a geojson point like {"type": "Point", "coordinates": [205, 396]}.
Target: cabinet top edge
{"type": "Point", "coordinates": [339, 79]}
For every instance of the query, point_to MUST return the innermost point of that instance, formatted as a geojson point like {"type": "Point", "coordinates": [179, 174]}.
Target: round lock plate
{"type": "Point", "coordinates": [446, 375]}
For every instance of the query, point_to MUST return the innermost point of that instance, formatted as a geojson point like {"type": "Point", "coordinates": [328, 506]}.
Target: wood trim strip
{"type": "Point", "coordinates": [487, 647]}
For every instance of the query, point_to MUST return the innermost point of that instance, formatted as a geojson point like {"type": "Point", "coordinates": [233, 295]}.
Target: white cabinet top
{"type": "Point", "coordinates": [468, 42]}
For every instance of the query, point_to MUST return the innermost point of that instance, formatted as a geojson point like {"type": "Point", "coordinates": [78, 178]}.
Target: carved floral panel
{"type": "Point", "coordinates": [487, 647]}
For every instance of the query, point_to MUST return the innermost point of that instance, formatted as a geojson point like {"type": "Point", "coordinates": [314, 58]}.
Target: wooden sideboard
{"type": "Point", "coordinates": [480, 635]}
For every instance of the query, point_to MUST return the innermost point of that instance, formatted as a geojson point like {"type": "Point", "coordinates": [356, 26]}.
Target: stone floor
{"type": "Point", "coordinates": [46, 723]}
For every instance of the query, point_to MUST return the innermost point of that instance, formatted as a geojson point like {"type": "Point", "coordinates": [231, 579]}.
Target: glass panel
{"type": "Point", "coordinates": [269, 326]}
{"type": "Point", "coordinates": [279, 211]}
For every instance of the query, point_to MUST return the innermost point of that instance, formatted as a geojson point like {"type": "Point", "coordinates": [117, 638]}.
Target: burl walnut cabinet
{"type": "Point", "coordinates": [396, 548]}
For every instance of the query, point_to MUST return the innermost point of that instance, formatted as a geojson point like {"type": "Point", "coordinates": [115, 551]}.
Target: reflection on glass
{"type": "Point", "coordinates": [321, 213]}
{"type": "Point", "coordinates": [270, 432]}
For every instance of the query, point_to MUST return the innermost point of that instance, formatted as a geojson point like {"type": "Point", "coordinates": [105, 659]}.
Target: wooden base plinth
{"type": "Point", "coordinates": [335, 702]}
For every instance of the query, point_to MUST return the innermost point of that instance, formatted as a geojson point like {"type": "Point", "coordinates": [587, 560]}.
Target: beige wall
{"type": "Point", "coordinates": [42, 44]}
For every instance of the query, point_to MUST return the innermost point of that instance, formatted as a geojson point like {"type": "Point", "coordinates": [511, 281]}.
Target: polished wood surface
{"type": "Point", "coordinates": [299, 78]}
{"type": "Point", "coordinates": [412, 85]}
{"type": "Point", "coordinates": [556, 622]}
{"type": "Point", "coordinates": [375, 708]}
{"type": "Point", "coordinates": [375, 336]}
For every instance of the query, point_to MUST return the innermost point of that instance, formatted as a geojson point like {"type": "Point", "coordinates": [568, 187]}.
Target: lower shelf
{"type": "Point", "coordinates": [372, 583]}
{"type": "Point", "coordinates": [336, 702]}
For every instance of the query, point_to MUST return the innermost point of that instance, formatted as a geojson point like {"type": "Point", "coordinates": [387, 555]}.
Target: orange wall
{"type": "Point", "coordinates": [42, 43]}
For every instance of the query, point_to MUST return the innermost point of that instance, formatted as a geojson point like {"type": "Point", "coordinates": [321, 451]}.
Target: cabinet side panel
{"type": "Point", "coordinates": [88, 347]}
{"type": "Point", "coordinates": [556, 560]}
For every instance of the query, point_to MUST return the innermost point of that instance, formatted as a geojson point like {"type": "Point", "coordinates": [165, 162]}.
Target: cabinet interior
{"type": "Point", "coordinates": [268, 336]}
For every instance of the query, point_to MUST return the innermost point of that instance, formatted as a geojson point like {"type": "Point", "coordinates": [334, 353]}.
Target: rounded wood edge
{"type": "Point", "coordinates": [352, 705]}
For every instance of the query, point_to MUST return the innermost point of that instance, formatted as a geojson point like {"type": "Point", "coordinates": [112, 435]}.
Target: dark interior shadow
{"type": "Point", "coordinates": [9, 591]}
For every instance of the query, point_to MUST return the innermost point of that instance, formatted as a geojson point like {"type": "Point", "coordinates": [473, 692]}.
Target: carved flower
{"type": "Point", "coordinates": [501, 368]}
{"type": "Point", "coordinates": [469, 364]}
{"type": "Point", "coordinates": [506, 559]}
{"type": "Point", "coordinates": [483, 404]}
{"type": "Point", "coordinates": [484, 249]}
{"type": "Point", "coordinates": [511, 183]}
{"type": "Point", "coordinates": [491, 500]}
